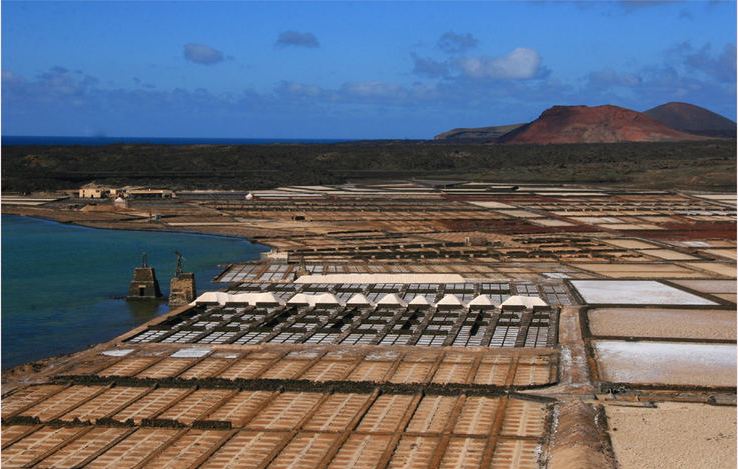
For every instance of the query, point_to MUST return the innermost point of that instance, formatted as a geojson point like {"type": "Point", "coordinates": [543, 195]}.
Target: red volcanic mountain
{"type": "Point", "coordinates": [596, 124]}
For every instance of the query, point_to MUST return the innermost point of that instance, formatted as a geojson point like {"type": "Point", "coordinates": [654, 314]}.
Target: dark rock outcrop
{"type": "Point", "coordinates": [693, 119]}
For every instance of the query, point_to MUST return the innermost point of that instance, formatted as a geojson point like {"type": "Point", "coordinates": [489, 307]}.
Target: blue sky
{"type": "Point", "coordinates": [350, 70]}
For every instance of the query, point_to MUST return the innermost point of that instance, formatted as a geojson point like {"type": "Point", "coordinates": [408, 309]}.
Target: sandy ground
{"type": "Point", "coordinates": [630, 243]}
{"type": "Point", "coordinates": [674, 436]}
{"type": "Point", "coordinates": [668, 254]}
{"type": "Point", "coordinates": [727, 296]}
{"type": "Point", "coordinates": [727, 253]}
{"type": "Point", "coordinates": [727, 270]}
{"type": "Point", "coordinates": [671, 323]}
{"type": "Point", "coordinates": [709, 286]}
{"type": "Point", "coordinates": [644, 271]}
{"type": "Point", "coordinates": [666, 363]}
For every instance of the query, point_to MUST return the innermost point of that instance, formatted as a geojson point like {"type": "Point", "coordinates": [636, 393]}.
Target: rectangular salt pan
{"type": "Point", "coordinates": [117, 352]}
{"type": "Point", "coordinates": [635, 292]}
{"type": "Point", "coordinates": [666, 363]}
{"type": "Point", "coordinates": [190, 353]}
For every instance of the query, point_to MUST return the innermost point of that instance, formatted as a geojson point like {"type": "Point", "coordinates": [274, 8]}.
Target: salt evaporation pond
{"type": "Point", "coordinates": [672, 363]}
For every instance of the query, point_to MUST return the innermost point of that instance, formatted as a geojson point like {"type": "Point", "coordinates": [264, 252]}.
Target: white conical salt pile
{"type": "Point", "coordinates": [419, 301]}
{"type": "Point", "coordinates": [527, 302]}
{"type": "Point", "coordinates": [449, 301]}
{"type": "Point", "coordinates": [266, 299]}
{"type": "Point", "coordinates": [481, 301]}
{"type": "Point", "coordinates": [300, 299]}
{"type": "Point", "coordinates": [390, 299]}
{"type": "Point", "coordinates": [326, 299]}
{"type": "Point", "coordinates": [358, 300]}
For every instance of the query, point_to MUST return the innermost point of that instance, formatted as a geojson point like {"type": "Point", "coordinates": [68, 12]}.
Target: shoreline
{"type": "Point", "coordinates": [47, 216]}
{"type": "Point", "coordinates": [51, 215]}
{"type": "Point", "coordinates": [81, 225]}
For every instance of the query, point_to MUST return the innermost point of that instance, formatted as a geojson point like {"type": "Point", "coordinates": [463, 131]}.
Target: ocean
{"type": "Point", "coordinates": [14, 140]}
{"type": "Point", "coordinates": [63, 285]}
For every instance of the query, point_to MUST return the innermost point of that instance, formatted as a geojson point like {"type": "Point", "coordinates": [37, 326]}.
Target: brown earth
{"type": "Point", "coordinates": [596, 124]}
{"type": "Point", "coordinates": [687, 231]}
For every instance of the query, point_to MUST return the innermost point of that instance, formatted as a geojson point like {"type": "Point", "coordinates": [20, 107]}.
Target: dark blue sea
{"type": "Point", "coordinates": [9, 140]}
{"type": "Point", "coordinates": [62, 285]}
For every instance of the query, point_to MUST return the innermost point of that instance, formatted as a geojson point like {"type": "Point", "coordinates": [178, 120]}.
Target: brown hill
{"type": "Point", "coordinates": [687, 117]}
{"type": "Point", "coordinates": [596, 124]}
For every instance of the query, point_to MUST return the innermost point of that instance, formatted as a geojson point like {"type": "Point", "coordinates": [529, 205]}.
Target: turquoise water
{"type": "Point", "coordinates": [62, 285]}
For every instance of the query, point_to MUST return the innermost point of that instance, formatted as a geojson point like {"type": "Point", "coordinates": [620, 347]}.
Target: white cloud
{"type": "Point", "coordinates": [520, 64]}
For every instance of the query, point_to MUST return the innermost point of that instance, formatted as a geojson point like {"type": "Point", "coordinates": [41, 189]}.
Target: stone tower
{"type": "Point", "coordinates": [144, 285]}
{"type": "Point", "coordinates": [182, 286]}
{"type": "Point", "coordinates": [302, 268]}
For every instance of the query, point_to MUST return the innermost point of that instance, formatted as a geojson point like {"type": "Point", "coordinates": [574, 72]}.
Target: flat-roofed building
{"type": "Point", "coordinates": [91, 191]}
{"type": "Point", "coordinates": [144, 193]}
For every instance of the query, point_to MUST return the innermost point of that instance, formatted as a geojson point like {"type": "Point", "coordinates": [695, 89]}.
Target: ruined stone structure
{"type": "Point", "coordinates": [182, 288]}
{"type": "Point", "coordinates": [144, 285]}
